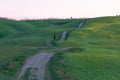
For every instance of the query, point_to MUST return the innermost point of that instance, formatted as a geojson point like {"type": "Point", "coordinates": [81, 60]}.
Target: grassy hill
{"type": "Point", "coordinates": [99, 57]}
{"type": "Point", "coordinates": [93, 54]}
{"type": "Point", "coordinates": [20, 39]}
{"type": "Point", "coordinates": [41, 31]}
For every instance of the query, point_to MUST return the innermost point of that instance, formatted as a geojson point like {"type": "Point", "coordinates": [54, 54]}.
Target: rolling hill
{"type": "Point", "coordinates": [20, 39]}
{"type": "Point", "coordinates": [93, 51]}
{"type": "Point", "coordinates": [99, 56]}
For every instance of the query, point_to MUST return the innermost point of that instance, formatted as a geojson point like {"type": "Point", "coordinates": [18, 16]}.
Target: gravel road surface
{"type": "Point", "coordinates": [36, 65]}
{"type": "Point", "coordinates": [63, 36]}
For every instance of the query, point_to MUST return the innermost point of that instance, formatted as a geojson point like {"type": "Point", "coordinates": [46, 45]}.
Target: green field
{"type": "Point", "coordinates": [93, 54]}
{"type": "Point", "coordinates": [101, 55]}
{"type": "Point", "coordinates": [20, 39]}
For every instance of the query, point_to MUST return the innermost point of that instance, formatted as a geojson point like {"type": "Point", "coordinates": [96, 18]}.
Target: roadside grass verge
{"type": "Point", "coordinates": [93, 66]}
{"type": "Point", "coordinates": [12, 58]}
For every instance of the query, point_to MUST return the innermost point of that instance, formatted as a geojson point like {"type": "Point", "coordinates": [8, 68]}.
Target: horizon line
{"type": "Point", "coordinates": [54, 18]}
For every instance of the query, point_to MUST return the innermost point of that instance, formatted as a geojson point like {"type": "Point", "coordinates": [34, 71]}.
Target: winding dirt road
{"type": "Point", "coordinates": [36, 65]}
{"type": "Point", "coordinates": [82, 24]}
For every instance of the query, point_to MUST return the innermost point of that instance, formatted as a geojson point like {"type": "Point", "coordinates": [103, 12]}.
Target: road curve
{"type": "Point", "coordinates": [64, 34]}
{"type": "Point", "coordinates": [36, 65]}
{"type": "Point", "coordinates": [82, 24]}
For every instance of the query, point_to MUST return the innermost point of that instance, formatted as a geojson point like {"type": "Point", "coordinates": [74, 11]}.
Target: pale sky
{"type": "Point", "coordinates": [20, 9]}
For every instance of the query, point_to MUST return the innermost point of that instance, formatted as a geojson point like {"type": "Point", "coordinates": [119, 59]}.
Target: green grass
{"type": "Point", "coordinates": [86, 66]}
{"type": "Point", "coordinates": [93, 66]}
{"type": "Point", "coordinates": [100, 60]}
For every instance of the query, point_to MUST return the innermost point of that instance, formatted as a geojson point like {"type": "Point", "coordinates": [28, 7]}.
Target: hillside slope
{"type": "Point", "coordinates": [95, 54]}
{"type": "Point", "coordinates": [20, 39]}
